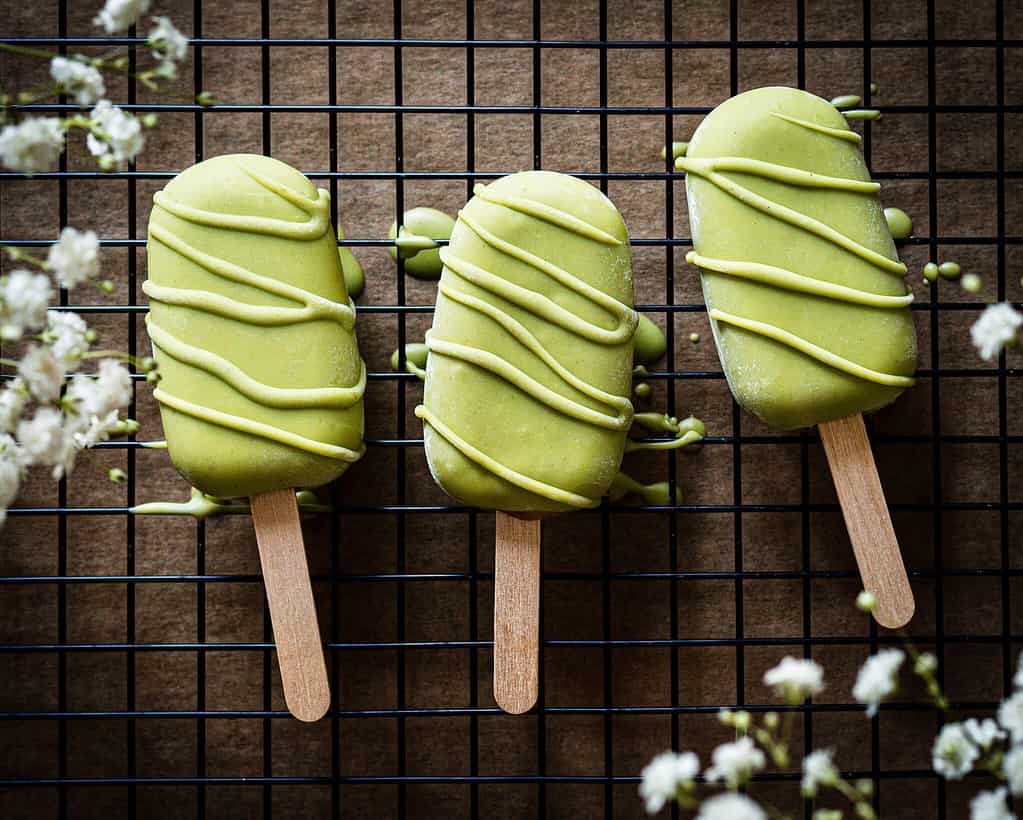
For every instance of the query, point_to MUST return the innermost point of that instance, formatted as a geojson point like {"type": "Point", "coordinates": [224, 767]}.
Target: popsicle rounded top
{"type": "Point", "coordinates": [526, 403]}
{"type": "Point", "coordinates": [252, 328]}
{"type": "Point", "coordinates": [800, 274]}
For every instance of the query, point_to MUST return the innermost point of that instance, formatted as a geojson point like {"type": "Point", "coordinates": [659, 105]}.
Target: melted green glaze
{"type": "Point", "coordinates": [678, 149]}
{"type": "Point", "coordinates": [642, 390]}
{"type": "Point", "coordinates": [245, 279]}
{"type": "Point", "coordinates": [899, 223]}
{"type": "Point", "coordinates": [970, 283]}
{"type": "Point", "coordinates": [807, 304]}
{"type": "Point", "coordinates": [931, 272]}
{"type": "Point", "coordinates": [416, 354]}
{"type": "Point", "coordinates": [686, 436]}
{"type": "Point", "coordinates": [649, 342]}
{"type": "Point", "coordinates": [862, 114]}
{"type": "Point", "coordinates": [355, 279]}
{"type": "Point", "coordinates": [950, 270]}
{"type": "Point", "coordinates": [656, 495]}
{"type": "Point", "coordinates": [526, 402]}
{"type": "Point", "coordinates": [694, 338]}
{"type": "Point", "coordinates": [414, 240]}
{"type": "Point", "coordinates": [846, 101]}
{"type": "Point", "coordinates": [200, 505]}
{"type": "Point", "coordinates": [640, 371]}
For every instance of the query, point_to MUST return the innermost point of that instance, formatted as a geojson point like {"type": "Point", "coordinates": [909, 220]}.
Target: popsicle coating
{"type": "Point", "coordinates": [526, 403]}
{"type": "Point", "coordinates": [252, 329]}
{"type": "Point", "coordinates": [800, 274]}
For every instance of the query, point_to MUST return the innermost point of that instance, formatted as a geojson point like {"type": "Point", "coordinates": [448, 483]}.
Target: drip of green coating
{"type": "Point", "coordinates": [950, 270]}
{"type": "Point", "coordinates": [862, 114]}
{"type": "Point", "coordinates": [355, 279]}
{"type": "Point", "coordinates": [649, 342]}
{"type": "Point", "coordinates": [639, 371]}
{"type": "Point", "coordinates": [970, 283]}
{"type": "Point", "coordinates": [694, 338]}
{"type": "Point", "coordinates": [931, 272]}
{"type": "Point", "coordinates": [416, 354]}
{"type": "Point", "coordinates": [415, 241]}
{"type": "Point", "coordinates": [687, 433]}
{"type": "Point", "coordinates": [154, 445]}
{"type": "Point", "coordinates": [656, 495]}
{"type": "Point", "coordinates": [899, 223]}
{"type": "Point", "coordinates": [846, 101]}
{"type": "Point", "coordinates": [873, 88]}
{"type": "Point", "coordinates": [200, 505]}
{"type": "Point", "coordinates": [678, 149]}
{"type": "Point", "coordinates": [642, 390]}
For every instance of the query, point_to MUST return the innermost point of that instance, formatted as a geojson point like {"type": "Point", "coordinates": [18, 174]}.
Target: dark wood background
{"type": "Point", "coordinates": [724, 656]}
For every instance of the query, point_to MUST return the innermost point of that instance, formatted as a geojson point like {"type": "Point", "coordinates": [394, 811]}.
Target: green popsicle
{"type": "Point", "coordinates": [526, 404]}
{"type": "Point", "coordinates": [799, 270]}
{"type": "Point", "coordinates": [262, 382]}
{"type": "Point", "coordinates": [804, 288]}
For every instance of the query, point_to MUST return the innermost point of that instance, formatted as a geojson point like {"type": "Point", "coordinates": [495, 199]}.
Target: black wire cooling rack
{"type": "Point", "coordinates": [17, 792]}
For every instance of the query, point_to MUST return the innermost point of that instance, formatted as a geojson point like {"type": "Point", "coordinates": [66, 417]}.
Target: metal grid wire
{"type": "Point", "coordinates": [935, 438]}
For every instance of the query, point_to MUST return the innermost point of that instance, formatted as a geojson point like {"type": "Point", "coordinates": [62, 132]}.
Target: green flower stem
{"type": "Point", "coordinates": [930, 681]}
{"type": "Point", "coordinates": [9, 362]}
{"type": "Point", "coordinates": [18, 255]}
{"type": "Point", "coordinates": [28, 52]}
{"type": "Point", "coordinates": [862, 806]}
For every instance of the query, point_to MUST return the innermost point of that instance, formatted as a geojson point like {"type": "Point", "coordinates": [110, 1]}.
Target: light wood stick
{"type": "Point", "coordinates": [292, 609]}
{"type": "Point", "coordinates": [516, 613]}
{"type": "Point", "coordinates": [867, 519]}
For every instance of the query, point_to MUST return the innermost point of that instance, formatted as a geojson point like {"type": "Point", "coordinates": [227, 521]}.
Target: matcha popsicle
{"type": "Point", "coordinates": [526, 404]}
{"type": "Point", "coordinates": [805, 293]}
{"type": "Point", "coordinates": [261, 380]}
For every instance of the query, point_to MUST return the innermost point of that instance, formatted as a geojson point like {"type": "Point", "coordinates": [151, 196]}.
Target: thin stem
{"type": "Point", "coordinates": [28, 52]}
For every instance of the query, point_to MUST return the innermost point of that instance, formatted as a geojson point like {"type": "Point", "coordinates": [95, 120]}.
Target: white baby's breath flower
{"type": "Point", "coordinates": [796, 679]}
{"type": "Point", "coordinates": [75, 257]}
{"type": "Point", "coordinates": [116, 134]}
{"type": "Point", "coordinates": [662, 777]}
{"type": "Point", "coordinates": [877, 678]}
{"type": "Point", "coordinates": [996, 327]}
{"type": "Point", "coordinates": [926, 664]}
{"type": "Point", "coordinates": [818, 770]}
{"type": "Point", "coordinates": [33, 145]}
{"type": "Point", "coordinates": [953, 753]}
{"type": "Point", "coordinates": [117, 15]}
{"type": "Point", "coordinates": [10, 474]}
{"type": "Point", "coordinates": [169, 45]}
{"type": "Point", "coordinates": [730, 806]}
{"type": "Point", "coordinates": [990, 805]}
{"type": "Point", "coordinates": [99, 429]}
{"type": "Point", "coordinates": [42, 373]}
{"type": "Point", "coordinates": [866, 601]}
{"type": "Point", "coordinates": [13, 399]}
{"type": "Point", "coordinates": [80, 80]}
{"type": "Point", "coordinates": [24, 298]}
{"type": "Point", "coordinates": [1012, 768]}
{"type": "Point", "coordinates": [41, 438]}
{"type": "Point", "coordinates": [983, 733]}
{"type": "Point", "coordinates": [97, 395]}
{"type": "Point", "coordinates": [67, 335]}
{"type": "Point", "coordinates": [1010, 716]}
{"type": "Point", "coordinates": [735, 763]}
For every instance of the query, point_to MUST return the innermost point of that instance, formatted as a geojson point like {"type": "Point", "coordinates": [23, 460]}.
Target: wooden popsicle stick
{"type": "Point", "coordinates": [867, 519]}
{"type": "Point", "coordinates": [292, 609]}
{"type": "Point", "coordinates": [516, 612]}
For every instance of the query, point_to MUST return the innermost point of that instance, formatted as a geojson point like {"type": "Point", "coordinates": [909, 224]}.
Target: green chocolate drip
{"type": "Point", "coordinates": [931, 272]}
{"type": "Point", "coordinates": [694, 338]}
{"type": "Point", "coordinates": [899, 223]}
{"type": "Point", "coordinates": [862, 114]}
{"type": "Point", "coordinates": [837, 133]}
{"type": "Point", "coordinates": [656, 495]}
{"type": "Point", "coordinates": [506, 304]}
{"type": "Point", "coordinates": [649, 343]}
{"type": "Point", "coordinates": [416, 354]}
{"type": "Point", "coordinates": [154, 445]}
{"type": "Point", "coordinates": [201, 506]}
{"type": "Point", "coordinates": [355, 279]}
{"type": "Point", "coordinates": [678, 149]}
{"type": "Point", "coordinates": [970, 283]}
{"type": "Point", "coordinates": [950, 270]}
{"type": "Point", "coordinates": [847, 101]}
{"type": "Point", "coordinates": [642, 390]}
{"type": "Point", "coordinates": [663, 423]}
{"type": "Point", "coordinates": [640, 371]}
{"type": "Point", "coordinates": [245, 277]}
{"type": "Point", "coordinates": [415, 241]}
